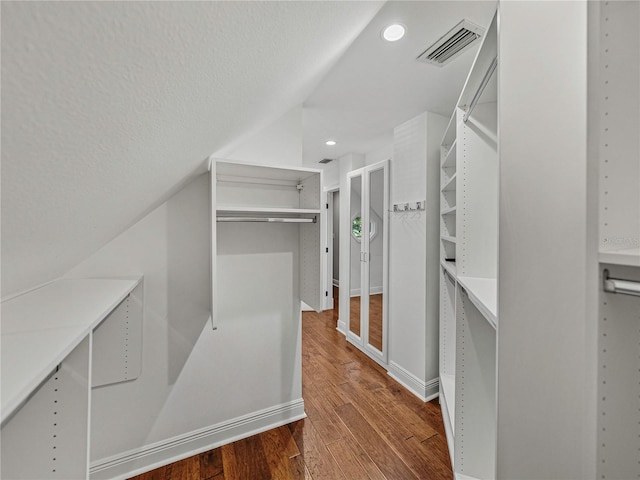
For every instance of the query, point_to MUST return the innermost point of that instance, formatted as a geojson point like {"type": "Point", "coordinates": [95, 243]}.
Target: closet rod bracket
{"type": "Point", "coordinates": [616, 285]}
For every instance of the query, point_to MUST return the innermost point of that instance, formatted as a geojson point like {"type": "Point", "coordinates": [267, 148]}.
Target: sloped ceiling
{"type": "Point", "coordinates": [106, 106]}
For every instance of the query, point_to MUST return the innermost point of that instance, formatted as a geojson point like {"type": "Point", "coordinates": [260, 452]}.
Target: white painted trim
{"type": "Point", "coordinates": [149, 457]}
{"type": "Point", "coordinates": [447, 428]}
{"type": "Point", "coordinates": [425, 391]}
{"type": "Point", "coordinates": [374, 291]}
{"type": "Point", "coordinates": [342, 327]}
{"type": "Point", "coordinates": [327, 249]}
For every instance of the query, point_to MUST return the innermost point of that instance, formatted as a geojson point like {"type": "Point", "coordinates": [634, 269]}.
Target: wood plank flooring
{"type": "Point", "coordinates": [361, 425]}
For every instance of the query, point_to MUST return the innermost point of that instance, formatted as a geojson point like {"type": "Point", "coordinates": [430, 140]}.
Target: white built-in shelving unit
{"type": "Point", "coordinates": [58, 342]}
{"type": "Point", "coordinates": [468, 278]}
{"type": "Point", "coordinates": [540, 373]}
{"type": "Point", "coordinates": [448, 185]}
{"type": "Point", "coordinates": [249, 201]}
{"type": "Point", "coordinates": [615, 123]}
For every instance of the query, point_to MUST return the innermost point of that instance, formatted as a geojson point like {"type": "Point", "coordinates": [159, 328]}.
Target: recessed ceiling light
{"type": "Point", "coordinates": [393, 32]}
{"type": "Point", "coordinates": [331, 143]}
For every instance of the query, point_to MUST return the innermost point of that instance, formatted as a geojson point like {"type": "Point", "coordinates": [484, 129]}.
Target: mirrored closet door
{"type": "Point", "coordinates": [368, 238]}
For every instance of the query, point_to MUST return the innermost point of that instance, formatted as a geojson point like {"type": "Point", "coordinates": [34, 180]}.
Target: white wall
{"type": "Point", "coordinates": [413, 254]}
{"type": "Point", "coordinates": [330, 173]}
{"type": "Point", "coordinates": [383, 153]}
{"type": "Point", "coordinates": [193, 378]}
{"type": "Point", "coordinates": [277, 144]}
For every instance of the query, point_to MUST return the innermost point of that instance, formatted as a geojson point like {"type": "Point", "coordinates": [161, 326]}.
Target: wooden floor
{"type": "Point", "coordinates": [361, 425]}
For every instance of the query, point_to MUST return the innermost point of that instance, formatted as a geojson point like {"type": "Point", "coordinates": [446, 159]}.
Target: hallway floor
{"type": "Point", "coordinates": [361, 425]}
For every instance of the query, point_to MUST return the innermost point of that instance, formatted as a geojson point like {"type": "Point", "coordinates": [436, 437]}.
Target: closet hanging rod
{"type": "Point", "coordinates": [267, 219]}
{"type": "Point", "coordinates": [616, 285]}
{"type": "Point", "coordinates": [483, 84]}
{"type": "Point", "coordinates": [260, 181]}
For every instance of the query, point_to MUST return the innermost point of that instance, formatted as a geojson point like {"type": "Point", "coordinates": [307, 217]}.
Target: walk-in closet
{"type": "Point", "coordinates": [247, 240]}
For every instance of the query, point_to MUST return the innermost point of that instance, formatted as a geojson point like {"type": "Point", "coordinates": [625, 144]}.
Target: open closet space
{"type": "Point", "coordinates": [360, 424]}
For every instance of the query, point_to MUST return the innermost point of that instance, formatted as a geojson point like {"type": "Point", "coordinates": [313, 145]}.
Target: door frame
{"type": "Point", "coordinates": [361, 341]}
{"type": "Point", "coordinates": [329, 301]}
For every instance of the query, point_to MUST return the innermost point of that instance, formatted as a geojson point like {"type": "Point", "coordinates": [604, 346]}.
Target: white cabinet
{"type": "Point", "coordinates": [541, 357]}
{"type": "Point", "coordinates": [261, 211]}
{"type": "Point", "coordinates": [468, 277]}
{"type": "Point", "coordinates": [368, 232]}
{"type": "Point", "coordinates": [58, 342]}
{"type": "Point", "coordinates": [615, 126]}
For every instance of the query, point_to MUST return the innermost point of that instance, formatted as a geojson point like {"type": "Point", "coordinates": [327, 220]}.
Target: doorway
{"type": "Point", "coordinates": [333, 251]}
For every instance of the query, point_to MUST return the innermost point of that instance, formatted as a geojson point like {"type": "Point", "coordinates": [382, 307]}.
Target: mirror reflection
{"type": "Point", "coordinates": [376, 217]}
{"type": "Point", "coordinates": [355, 275]}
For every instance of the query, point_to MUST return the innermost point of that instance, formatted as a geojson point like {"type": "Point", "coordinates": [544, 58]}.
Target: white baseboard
{"type": "Point", "coordinates": [425, 391]}
{"type": "Point", "coordinates": [149, 457]}
{"type": "Point", "coordinates": [355, 292]}
{"type": "Point", "coordinates": [342, 327]}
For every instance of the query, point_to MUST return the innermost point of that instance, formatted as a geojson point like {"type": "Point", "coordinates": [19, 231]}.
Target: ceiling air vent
{"type": "Point", "coordinates": [452, 44]}
{"type": "Point", "coordinates": [326, 160]}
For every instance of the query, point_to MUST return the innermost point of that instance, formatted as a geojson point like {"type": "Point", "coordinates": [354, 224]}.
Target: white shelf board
{"type": "Point", "coordinates": [450, 133]}
{"type": "Point", "coordinates": [450, 159]}
{"type": "Point", "coordinates": [222, 209]}
{"type": "Point", "coordinates": [450, 267]}
{"type": "Point", "coordinates": [40, 328]}
{"type": "Point", "coordinates": [29, 357]}
{"type": "Point", "coordinates": [448, 238]}
{"type": "Point", "coordinates": [261, 171]}
{"type": "Point", "coordinates": [483, 293]}
{"type": "Point", "coordinates": [448, 384]}
{"type": "Point", "coordinates": [451, 184]}
{"type": "Point", "coordinates": [448, 211]}
{"type": "Point", "coordinates": [460, 476]}
{"type": "Point", "coordinates": [628, 257]}
{"type": "Point", "coordinates": [65, 303]}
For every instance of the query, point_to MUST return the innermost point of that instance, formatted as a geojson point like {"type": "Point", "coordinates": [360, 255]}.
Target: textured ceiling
{"type": "Point", "coordinates": [107, 106]}
{"type": "Point", "coordinates": [378, 85]}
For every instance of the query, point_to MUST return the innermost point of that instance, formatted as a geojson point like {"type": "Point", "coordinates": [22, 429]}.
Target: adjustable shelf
{"type": "Point", "coordinates": [449, 161]}
{"type": "Point", "coordinates": [51, 320]}
{"type": "Point", "coordinates": [629, 257]}
{"type": "Point", "coordinates": [449, 137]}
{"type": "Point", "coordinates": [448, 211]}
{"type": "Point", "coordinates": [222, 210]}
{"type": "Point", "coordinates": [59, 341]}
{"type": "Point", "coordinates": [450, 267]}
{"type": "Point", "coordinates": [483, 293]}
{"type": "Point", "coordinates": [450, 185]}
